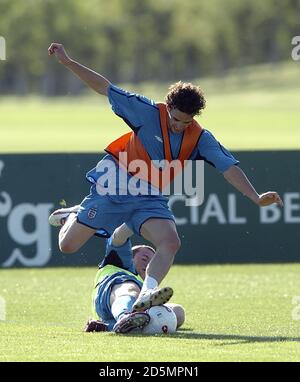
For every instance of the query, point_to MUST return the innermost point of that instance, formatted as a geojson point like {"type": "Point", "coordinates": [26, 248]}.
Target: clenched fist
{"type": "Point", "coordinates": [269, 198]}
{"type": "Point", "coordinates": [59, 51]}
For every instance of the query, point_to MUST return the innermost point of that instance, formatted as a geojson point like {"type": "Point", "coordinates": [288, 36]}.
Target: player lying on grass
{"type": "Point", "coordinates": [117, 285]}
{"type": "Point", "coordinates": [119, 254]}
{"type": "Point", "coordinates": [164, 132]}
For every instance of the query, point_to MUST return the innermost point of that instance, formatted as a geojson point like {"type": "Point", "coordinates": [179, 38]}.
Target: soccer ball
{"type": "Point", "coordinates": [162, 320]}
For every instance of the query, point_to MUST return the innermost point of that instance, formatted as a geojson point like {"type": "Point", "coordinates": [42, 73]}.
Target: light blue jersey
{"type": "Point", "coordinates": [142, 116]}
{"type": "Point", "coordinates": [106, 212]}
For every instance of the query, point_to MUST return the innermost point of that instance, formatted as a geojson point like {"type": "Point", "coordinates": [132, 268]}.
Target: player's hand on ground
{"type": "Point", "coordinates": [59, 51]}
{"type": "Point", "coordinates": [268, 198]}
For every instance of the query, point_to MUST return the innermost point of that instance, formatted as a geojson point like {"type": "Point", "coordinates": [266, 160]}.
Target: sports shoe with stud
{"type": "Point", "coordinates": [95, 326]}
{"type": "Point", "coordinates": [152, 297]}
{"type": "Point", "coordinates": [131, 321]}
{"type": "Point", "coordinates": [59, 217]}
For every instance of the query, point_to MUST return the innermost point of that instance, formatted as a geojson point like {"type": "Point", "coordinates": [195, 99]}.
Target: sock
{"type": "Point", "coordinates": [122, 305]}
{"type": "Point", "coordinates": [149, 283]}
{"type": "Point", "coordinates": [120, 240]}
{"type": "Point", "coordinates": [68, 220]}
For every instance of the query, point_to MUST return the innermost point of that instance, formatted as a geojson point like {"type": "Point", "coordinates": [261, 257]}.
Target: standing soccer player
{"type": "Point", "coordinates": [159, 132]}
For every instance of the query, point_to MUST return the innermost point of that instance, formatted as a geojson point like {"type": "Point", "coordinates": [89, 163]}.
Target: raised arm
{"type": "Point", "coordinates": [93, 79]}
{"type": "Point", "coordinates": [235, 176]}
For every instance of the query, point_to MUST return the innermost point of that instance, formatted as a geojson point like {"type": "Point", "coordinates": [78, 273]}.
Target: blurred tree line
{"type": "Point", "coordinates": [140, 40]}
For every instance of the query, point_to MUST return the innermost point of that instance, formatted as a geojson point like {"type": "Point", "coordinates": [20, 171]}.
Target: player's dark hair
{"type": "Point", "coordinates": [186, 97]}
{"type": "Point", "coordinates": [136, 248]}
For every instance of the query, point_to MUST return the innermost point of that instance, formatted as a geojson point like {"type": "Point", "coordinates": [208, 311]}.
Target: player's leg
{"type": "Point", "coordinates": [122, 298]}
{"type": "Point", "coordinates": [179, 312]}
{"type": "Point", "coordinates": [81, 222]}
{"type": "Point", "coordinates": [121, 235]}
{"type": "Point", "coordinates": [163, 235]}
{"type": "Point", "coordinates": [73, 235]}
{"type": "Point", "coordinates": [118, 246]}
{"type": "Point", "coordinates": [95, 326]}
{"type": "Point", "coordinates": [60, 216]}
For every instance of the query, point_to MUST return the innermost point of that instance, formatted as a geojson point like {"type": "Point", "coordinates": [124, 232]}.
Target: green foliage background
{"type": "Point", "coordinates": [134, 40]}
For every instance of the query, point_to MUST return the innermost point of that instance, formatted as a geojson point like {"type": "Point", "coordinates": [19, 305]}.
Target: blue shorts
{"type": "Point", "coordinates": [102, 297]}
{"type": "Point", "coordinates": [106, 213]}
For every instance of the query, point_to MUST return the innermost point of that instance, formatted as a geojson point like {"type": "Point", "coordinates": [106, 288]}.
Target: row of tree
{"type": "Point", "coordinates": [140, 40]}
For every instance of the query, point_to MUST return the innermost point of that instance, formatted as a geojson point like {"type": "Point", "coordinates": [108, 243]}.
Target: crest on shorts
{"type": "Point", "coordinates": [92, 213]}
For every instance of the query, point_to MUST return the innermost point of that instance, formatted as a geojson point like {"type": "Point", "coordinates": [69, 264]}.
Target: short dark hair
{"type": "Point", "coordinates": [186, 97]}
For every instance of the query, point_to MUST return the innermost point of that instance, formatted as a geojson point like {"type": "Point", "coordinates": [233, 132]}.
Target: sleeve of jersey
{"type": "Point", "coordinates": [130, 107]}
{"type": "Point", "coordinates": [214, 153]}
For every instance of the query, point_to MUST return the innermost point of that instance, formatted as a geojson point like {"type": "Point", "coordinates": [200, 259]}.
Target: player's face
{"type": "Point", "coordinates": [178, 121]}
{"type": "Point", "coordinates": [142, 259]}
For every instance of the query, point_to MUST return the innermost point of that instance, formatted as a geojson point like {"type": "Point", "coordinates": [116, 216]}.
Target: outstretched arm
{"type": "Point", "coordinates": [94, 80]}
{"type": "Point", "coordinates": [235, 176]}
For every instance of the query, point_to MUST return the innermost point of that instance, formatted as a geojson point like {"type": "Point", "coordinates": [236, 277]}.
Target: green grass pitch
{"type": "Point", "coordinates": [234, 313]}
{"type": "Point", "coordinates": [255, 108]}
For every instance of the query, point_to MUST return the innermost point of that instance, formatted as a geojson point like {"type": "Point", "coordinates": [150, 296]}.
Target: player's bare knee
{"type": "Point", "coordinates": [127, 288]}
{"type": "Point", "coordinates": [134, 289]}
{"type": "Point", "coordinates": [172, 243]}
{"type": "Point", "coordinates": [67, 247]}
{"type": "Point", "coordinates": [131, 289]}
